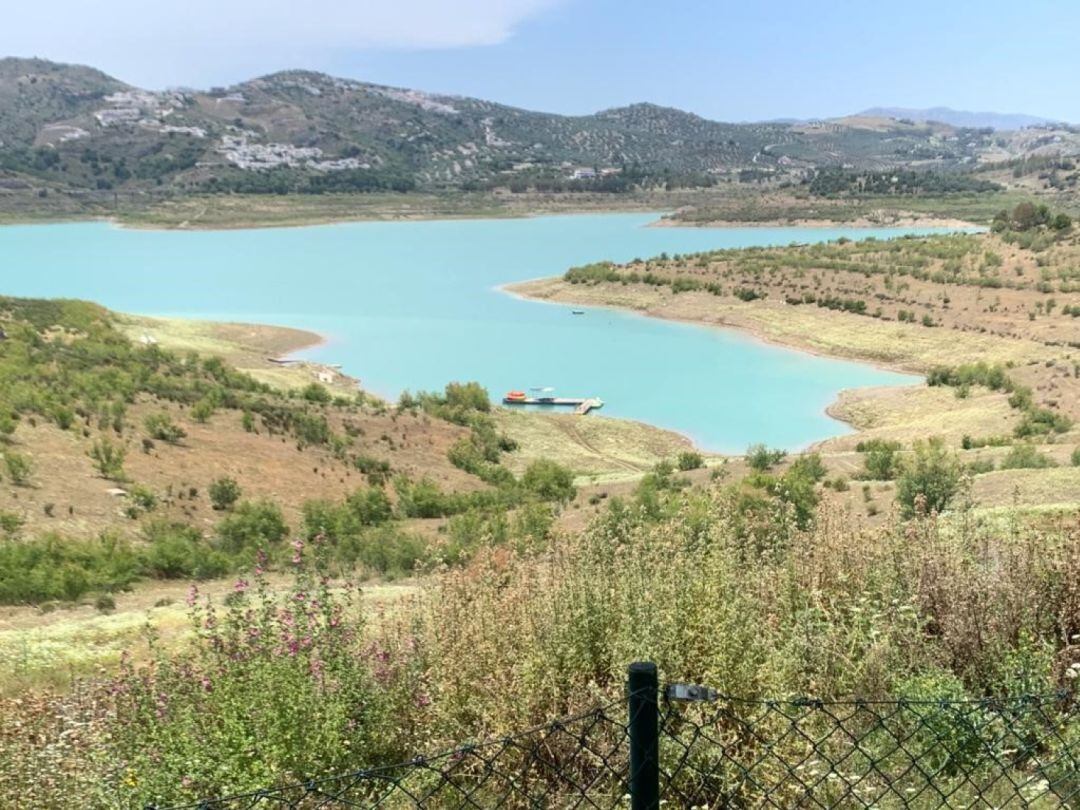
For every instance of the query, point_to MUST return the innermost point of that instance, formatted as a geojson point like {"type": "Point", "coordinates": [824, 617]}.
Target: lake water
{"type": "Point", "coordinates": [413, 305]}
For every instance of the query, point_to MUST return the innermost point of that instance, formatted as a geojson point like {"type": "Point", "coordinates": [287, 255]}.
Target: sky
{"type": "Point", "coordinates": [731, 61]}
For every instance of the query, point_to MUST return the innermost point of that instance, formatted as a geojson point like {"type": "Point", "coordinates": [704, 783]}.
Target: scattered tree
{"type": "Point", "coordinates": [930, 479]}
{"type": "Point", "coordinates": [224, 492]}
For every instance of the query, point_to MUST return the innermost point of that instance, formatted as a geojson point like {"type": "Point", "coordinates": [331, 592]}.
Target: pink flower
{"type": "Point", "coordinates": [192, 596]}
{"type": "Point", "coordinates": [241, 585]}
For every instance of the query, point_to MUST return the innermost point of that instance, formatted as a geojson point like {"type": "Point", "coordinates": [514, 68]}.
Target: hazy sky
{"type": "Point", "coordinates": [751, 59]}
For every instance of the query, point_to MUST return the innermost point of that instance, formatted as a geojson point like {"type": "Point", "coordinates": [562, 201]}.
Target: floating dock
{"type": "Point", "coordinates": [580, 406]}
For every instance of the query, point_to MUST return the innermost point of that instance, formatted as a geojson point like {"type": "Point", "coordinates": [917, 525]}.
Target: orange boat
{"type": "Point", "coordinates": [515, 396]}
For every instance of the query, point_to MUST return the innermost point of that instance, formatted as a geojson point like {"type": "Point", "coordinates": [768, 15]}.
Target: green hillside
{"type": "Point", "coordinates": [75, 129]}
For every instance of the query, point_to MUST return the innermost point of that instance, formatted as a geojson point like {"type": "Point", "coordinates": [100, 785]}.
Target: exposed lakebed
{"type": "Point", "coordinates": [413, 305]}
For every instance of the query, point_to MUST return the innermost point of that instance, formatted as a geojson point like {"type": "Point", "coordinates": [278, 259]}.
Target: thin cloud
{"type": "Point", "coordinates": [143, 40]}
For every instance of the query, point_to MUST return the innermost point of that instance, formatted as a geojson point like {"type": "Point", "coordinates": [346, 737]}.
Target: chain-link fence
{"type": "Point", "coordinates": [688, 746]}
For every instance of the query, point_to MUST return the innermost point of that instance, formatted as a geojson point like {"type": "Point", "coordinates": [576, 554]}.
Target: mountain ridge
{"type": "Point", "coordinates": [73, 126]}
{"type": "Point", "coordinates": [965, 118]}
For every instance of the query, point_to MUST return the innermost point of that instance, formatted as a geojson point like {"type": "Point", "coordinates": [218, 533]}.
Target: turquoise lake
{"type": "Point", "coordinates": [414, 305]}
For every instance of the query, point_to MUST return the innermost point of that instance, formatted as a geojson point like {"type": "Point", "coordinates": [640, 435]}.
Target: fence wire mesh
{"type": "Point", "coordinates": [578, 761]}
{"type": "Point", "coordinates": [1022, 753]}
{"type": "Point", "coordinates": [736, 753]}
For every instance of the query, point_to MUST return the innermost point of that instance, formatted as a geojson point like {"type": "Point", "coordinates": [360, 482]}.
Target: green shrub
{"type": "Point", "coordinates": [316, 393]}
{"type": "Point", "coordinates": [549, 481]}
{"type": "Point", "coordinates": [689, 460]}
{"type": "Point", "coordinates": [142, 498]}
{"type": "Point", "coordinates": [809, 466]}
{"type": "Point", "coordinates": [760, 458]}
{"type": "Point", "coordinates": [930, 479]}
{"type": "Point", "coordinates": [177, 551]}
{"type": "Point", "coordinates": [19, 468]}
{"type": "Point", "coordinates": [370, 507]}
{"type": "Point", "coordinates": [161, 427]}
{"type": "Point", "coordinates": [881, 460]}
{"type": "Point", "coordinates": [108, 458]}
{"type": "Point", "coordinates": [224, 492]}
{"type": "Point", "coordinates": [52, 567]}
{"type": "Point", "coordinates": [10, 523]}
{"type": "Point", "coordinates": [252, 526]}
{"type": "Point", "coordinates": [1025, 456]}
{"type": "Point", "coordinates": [202, 410]}
{"type": "Point", "coordinates": [1075, 457]}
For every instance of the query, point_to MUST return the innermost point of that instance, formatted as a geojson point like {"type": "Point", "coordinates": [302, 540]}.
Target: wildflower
{"type": "Point", "coordinates": [241, 585]}
{"type": "Point", "coordinates": [192, 596]}
{"type": "Point", "coordinates": [298, 548]}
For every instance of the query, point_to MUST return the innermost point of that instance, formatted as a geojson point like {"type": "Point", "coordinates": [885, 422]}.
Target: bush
{"type": "Point", "coordinates": [549, 481]}
{"type": "Point", "coordinates": [1075, 458]}
{"type": "Point", "coordinates": [689, 460]}
{"type": "Point", "coordinates": [469, 396]}
{"type": "Point", "coordinates": [929, 480]}
{"type": "Point", "coordinates": [109, 459]}
{"type": "Point", "coordinates": [52, 567]}
{"type": "Point", "coordinates": [761, 458]}
{"type": "Point", "coordinates": [202, 410]}
{"type": "Point", "coordinates": [176, 551]}
{"type": "Point", "coordinates": [1025, 456]}
{"type": "Point", "coordinates": [106, 603]}
{"type": "Point", "coordinates": [809, 466]}
{"type": "Point", "coordinates": [161, 427]}
{"type": "Point", "coordinates": [316, 393]}
{"type": "Point", "coordinates": [10, 523]}
{"type": "Point", "coordinates": [252, 526]}
{"type": "Point", "coordinates": [881, 460]}
{"type": "Point", "coordinates": [142, 498]}
{"type": "Point", "coordinates": [224, 492]}
{"type": "Point", "coordinates": [370, 507]}
{"type": "Point", "coordinates": [19, 468]}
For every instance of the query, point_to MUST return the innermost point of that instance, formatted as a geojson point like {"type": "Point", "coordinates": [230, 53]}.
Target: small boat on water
{"type": "Point", "coordinates": [577, 312]}
{"type": "Point", "coordinates": [515, 397]}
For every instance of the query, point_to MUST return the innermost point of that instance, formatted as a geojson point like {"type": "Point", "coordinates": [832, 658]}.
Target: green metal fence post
{"type": "Point", "coordinates": [643, 688]}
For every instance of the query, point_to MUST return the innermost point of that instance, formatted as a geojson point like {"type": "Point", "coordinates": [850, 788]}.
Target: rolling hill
{"type": "Point", "coordinates": [75, 128]}
{"type": "Point", "coordinates": [961, 118]}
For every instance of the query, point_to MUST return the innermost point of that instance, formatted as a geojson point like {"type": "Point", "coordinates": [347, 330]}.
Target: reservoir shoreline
{"type": "Point", "coordinates": [439, 318]}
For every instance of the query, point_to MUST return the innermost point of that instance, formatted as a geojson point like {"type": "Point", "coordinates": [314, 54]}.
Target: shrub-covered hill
{"type": "Point", "coordinates": [120, 460]}
{"type": "Point", "coordinates": [76, 128]}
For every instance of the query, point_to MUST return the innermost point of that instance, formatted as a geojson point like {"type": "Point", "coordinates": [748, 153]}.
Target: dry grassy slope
{"type": "Point", "coordinates": [66, 483]}
{"type": "Point", "coordinates": [264, 466]}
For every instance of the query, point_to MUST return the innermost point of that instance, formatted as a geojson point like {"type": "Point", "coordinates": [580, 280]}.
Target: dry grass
{"type": "Point", "coordinates": [248, 347]}
{"type": "Point", "coordinates": [593, 446]}
{"type": "Point", "coordinates": [42, 649]}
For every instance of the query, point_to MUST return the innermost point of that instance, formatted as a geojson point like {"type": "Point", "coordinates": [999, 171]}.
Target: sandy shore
{"type": "Point", "coordinates": [249, 347]}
